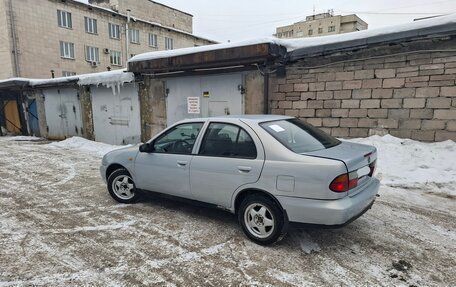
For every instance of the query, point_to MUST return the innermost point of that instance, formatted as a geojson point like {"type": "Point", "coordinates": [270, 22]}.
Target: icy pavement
{"type": "Point", "coordinates": [59, 227]}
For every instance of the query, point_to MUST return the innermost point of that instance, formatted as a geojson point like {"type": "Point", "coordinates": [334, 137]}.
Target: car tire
{"type": "Point", "coordinates": [122, 187]}
{"type": "Point", "coordinates": [262, 220]}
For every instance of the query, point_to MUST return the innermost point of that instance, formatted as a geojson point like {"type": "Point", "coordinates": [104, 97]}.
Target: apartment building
{"type": "Point", "coordinates": [42, 38]}
{"type": "Point", "coordinates": [321, 25]}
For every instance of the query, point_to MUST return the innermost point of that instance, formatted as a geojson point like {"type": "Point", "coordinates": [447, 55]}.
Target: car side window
{"type": "Point", "coordinates": [227, 140]}
{"type": "Point", "coordinates": [179, 140]}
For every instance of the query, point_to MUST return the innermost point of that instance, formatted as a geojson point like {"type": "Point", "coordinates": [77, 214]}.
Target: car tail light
{"type": "Point", "coordinates": [344, 182]}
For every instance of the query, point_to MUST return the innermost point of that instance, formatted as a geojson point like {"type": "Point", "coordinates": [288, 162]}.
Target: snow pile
{"type": "Point", "coordinates": [412, 164]}
{"type": "Point", "coordinates": [84, 145]}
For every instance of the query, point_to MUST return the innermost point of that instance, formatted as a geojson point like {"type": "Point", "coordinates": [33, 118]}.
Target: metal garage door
{"type": "Point", "coordinates": [63, 113]}
{"type": "Point", "coordinates": [116, 118]}
{"type": "Point", "coordinates": [217, 95]}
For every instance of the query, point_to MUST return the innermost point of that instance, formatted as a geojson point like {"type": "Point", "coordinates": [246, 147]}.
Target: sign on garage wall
{"type": "Point", "coordinates": [193, 105]}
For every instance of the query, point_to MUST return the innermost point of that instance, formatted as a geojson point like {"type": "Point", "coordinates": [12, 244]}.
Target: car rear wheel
{"type": "Point", "coordinates": [262, 220]}
{"type": "Point", "coordinates": [121, 186]}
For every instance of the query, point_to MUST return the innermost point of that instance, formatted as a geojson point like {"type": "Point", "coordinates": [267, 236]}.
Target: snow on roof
{"type": "Point", "coordinates": [192, 50]}
{"type": "Point", "coordinates": [295, 44]}
{"type": "Point", "coordinates": [112, 79]}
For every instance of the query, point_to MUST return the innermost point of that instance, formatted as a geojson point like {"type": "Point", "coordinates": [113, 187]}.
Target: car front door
{"type": "Point", "coordinates": [165, 168]}
{"type": "Point", "coordinates": [228, 158]}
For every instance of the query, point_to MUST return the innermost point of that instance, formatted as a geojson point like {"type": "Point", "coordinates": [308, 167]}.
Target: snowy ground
{"type": "Point", "coordinates": [59, 227]}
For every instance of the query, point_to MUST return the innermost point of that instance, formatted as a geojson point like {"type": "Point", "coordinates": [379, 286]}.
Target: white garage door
{"type": "Point", "coordinates": [218, 95]}
{"type": "Point", "coordinates": [63, 113]}
{"type": "Point", "coordinates": [116, 118]}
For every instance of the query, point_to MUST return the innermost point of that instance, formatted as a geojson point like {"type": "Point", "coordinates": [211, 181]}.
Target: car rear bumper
{"type": "Point", "coordinates": [330, 212]}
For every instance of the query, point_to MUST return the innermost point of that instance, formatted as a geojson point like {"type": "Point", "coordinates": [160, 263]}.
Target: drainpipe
{"type": "Point", "coordinates": [127, 37]}
{"type": "Point", "coordinates": [266, 94]}
{"type": "Point", "coordinates": [14, 36]}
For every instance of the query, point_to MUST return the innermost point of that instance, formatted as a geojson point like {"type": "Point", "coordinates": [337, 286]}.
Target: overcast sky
{"type": "Point", "coordinates": [236, 20]}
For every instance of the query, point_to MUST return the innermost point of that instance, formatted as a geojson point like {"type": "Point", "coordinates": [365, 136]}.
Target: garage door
{"type": "Point", "coordinates": [216, 96]}
{"type": "Point", "coordinates": [63, 113]}
{"type": "Point", "coordinates": [116, 117]}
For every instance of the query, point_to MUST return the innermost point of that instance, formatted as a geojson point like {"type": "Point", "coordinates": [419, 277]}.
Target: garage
{"type": "Point", "coordinates": [204, 96]}
{"type": "Point", "coordinates": [116, 117]}
{"type": "Point", "coordinates": [63, 112]}
{"type": "Point", "coordinates": [226, 79]}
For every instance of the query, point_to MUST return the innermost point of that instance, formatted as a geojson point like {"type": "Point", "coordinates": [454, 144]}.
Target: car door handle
{"type": "Point", "coordinates": [244, 168]}
{"type": "Point", "coordinates": [181, 163]}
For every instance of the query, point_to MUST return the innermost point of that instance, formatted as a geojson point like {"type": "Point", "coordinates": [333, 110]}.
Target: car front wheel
{"type": "Point", "coordinates": [121, 186]}
{"type": "Point", "coordinates": [262, 220]}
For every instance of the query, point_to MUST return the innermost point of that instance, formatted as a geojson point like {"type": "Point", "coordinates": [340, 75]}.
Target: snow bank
{"type": "Point", "coordinates": [84, 145]}
{"type": "Point", "coordinates": [293, 44]}
{"type": "Point", "coordinates": [412, 164]}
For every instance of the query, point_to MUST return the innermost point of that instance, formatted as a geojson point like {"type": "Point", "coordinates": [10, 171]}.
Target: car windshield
{"type": "Point", "coordinates": [299, 136]}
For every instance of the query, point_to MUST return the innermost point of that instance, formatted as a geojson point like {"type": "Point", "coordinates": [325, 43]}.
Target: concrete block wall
{"type": "Point", "coordinates": [412, 95]}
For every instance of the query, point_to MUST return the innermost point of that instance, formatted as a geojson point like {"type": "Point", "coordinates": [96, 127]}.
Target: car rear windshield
{"type": "Point", "coordinates": [299, 136]}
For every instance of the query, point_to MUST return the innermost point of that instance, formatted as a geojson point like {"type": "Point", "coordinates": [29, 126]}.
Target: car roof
{"type": "Point", "coordinates": [246, 118]}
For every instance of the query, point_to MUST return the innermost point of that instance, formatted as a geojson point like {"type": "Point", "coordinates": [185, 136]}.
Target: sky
{"type": "Point", "coordinates": [237, 20]}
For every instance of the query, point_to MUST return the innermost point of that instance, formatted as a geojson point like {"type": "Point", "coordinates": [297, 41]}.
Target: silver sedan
{"type": "Point", "coordinates": [269, 170]}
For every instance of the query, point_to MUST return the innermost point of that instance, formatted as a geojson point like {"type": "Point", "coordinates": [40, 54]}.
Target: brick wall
{"type": "Point", "coordinates": [377, 91]}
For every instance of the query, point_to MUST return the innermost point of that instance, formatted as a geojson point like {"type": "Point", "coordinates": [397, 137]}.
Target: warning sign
{"type": "Point", "coordinates": [193, 105]}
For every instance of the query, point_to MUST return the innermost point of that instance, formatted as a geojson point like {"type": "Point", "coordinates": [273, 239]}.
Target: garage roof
{"type": "Point", "coordinates": [229, 55]}
{"type": "Point", "coordinates": [112, 78]}
{"type": "Point", "coordinates": [220, 55]}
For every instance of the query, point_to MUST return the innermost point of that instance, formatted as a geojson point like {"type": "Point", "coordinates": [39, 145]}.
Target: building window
{"type": "Point", "coordinates": [66, 50]}
{"type": "Point", "coordinates": [134, 36]}
{"type": "Point", "coordinates": [68, 74]}
{"type": "Point", "coordinates": [115, 57]}
{"type": "Point", "coordinates": [331, 28]}
{"type": "Point", "coordinates": [153, 40]}
{"type": "Point", "coordinates": [169, 43]}
{"type": "Point", "coordinates": [90, 25]}
{"type": "Point", "coordinates": [320, 30]}
{"type": "Point", "coordinates": [64, 19]}
{"type": "Point", "coordinates": [92, 54]}
{"type": "Point", "coordinates": [310, 32]}
{"type": "Point", "coordinates": [114, 31]}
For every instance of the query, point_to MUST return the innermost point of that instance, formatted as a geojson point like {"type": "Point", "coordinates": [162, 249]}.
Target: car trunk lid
{"type": "Point", "coordinates": [359, 159]}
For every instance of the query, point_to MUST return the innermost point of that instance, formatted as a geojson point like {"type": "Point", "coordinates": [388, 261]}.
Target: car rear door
{"type": "Point", "coordinates": [230, 155]}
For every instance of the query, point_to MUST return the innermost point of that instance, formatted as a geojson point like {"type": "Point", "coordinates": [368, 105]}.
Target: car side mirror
{"type": "Point", "coordinates": [147, 147]}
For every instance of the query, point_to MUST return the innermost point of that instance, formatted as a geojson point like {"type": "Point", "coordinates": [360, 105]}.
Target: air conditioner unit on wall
{"type": "Point", "coordinates": [106, 50]}
{"type": "Point", "coordinates": [93, 64]}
